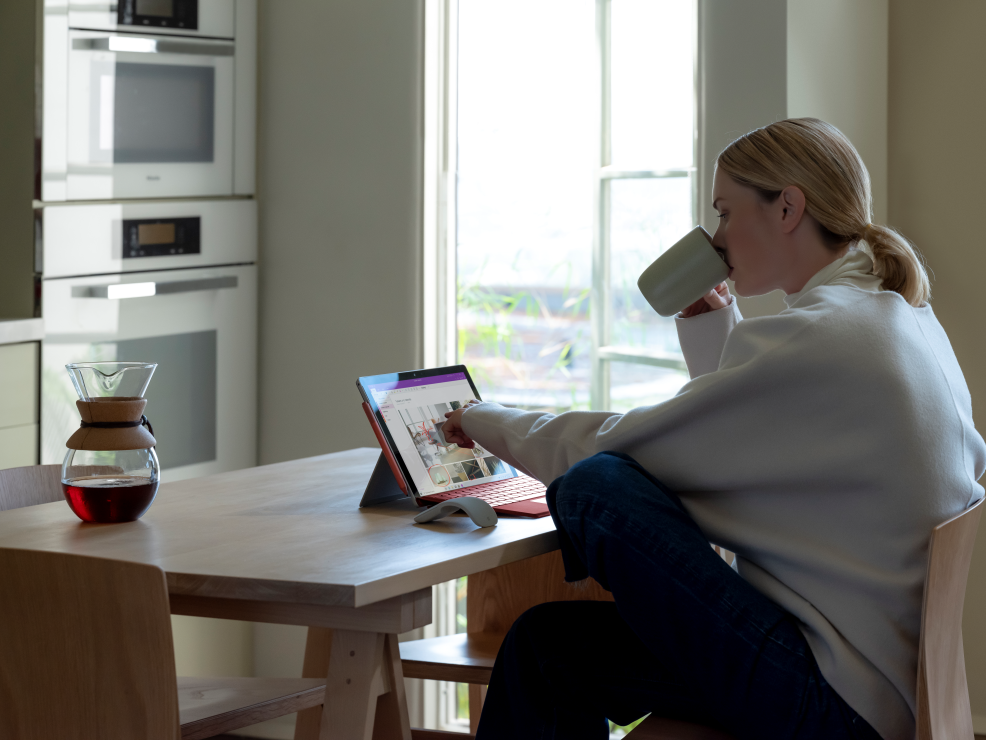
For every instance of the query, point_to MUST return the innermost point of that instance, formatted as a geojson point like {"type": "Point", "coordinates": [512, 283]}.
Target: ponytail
{"type": "Point", "coordinates": [898, 264]}
{"type": "Point", "coordinates": [816, 157]}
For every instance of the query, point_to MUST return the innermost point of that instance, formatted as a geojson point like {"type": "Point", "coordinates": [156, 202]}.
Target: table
{"type": "Point", "coordinates": [287, 544]}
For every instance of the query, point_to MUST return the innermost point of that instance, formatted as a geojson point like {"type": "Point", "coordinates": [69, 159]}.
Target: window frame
{"type": "Point", "coordinates": [439, 113]}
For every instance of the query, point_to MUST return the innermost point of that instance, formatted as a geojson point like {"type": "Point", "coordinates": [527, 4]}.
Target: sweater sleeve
{"type": "Point", "coordinates": [703, 337]}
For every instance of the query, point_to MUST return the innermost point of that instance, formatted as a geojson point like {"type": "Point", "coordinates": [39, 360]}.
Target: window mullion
{"type": "Point", "coordinates": [449, 351]}
{"type": "Point", "coordinates": [611, 173]}
{"type": "Point", "coordinates": [638, 356]}
{"type": "Point", "coordinates": [600, 301]}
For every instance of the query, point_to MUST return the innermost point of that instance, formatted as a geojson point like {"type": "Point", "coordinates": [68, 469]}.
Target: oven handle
{"type": "Point", "coordinates": [143, 45]}
{"type": "Point", "coordinates": [118, 291]}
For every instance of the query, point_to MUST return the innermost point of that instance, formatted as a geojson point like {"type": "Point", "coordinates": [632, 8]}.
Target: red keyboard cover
{"type": "Point", "coordinates": [496, 493]}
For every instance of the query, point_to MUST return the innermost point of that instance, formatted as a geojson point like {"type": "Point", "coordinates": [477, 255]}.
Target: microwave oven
{"type": "Point", "coordinates": [148, 99]}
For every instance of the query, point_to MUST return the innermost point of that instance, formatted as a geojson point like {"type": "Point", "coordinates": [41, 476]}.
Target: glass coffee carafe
{"type": "Point", "coordinates": [111, 472]}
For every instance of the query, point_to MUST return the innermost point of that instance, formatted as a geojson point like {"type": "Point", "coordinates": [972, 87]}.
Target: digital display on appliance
{"type": "Point", "coordinates": [165, 13]}
{"type": "Point", "coordinates": [148, 234]}
{"type": "Point", "coordinates": [413, 411]}
{"type": "Point", "coordinates": [152, 237]}
{"type": "Point", "coordinates": [160, 8]}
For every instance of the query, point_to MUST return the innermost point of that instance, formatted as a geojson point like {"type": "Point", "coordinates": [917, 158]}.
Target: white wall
{"type": "Point", "coordinates": [837, 71]}
{"type": "Point", "coordinates": [212, 647]}
{"type": "Point", "coordinates": [339, 190]}
{"type": "Point", "coordinates": [742, 86]}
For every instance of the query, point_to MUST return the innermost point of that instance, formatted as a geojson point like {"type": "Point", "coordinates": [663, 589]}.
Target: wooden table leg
{"type": "Point", "coordinates": [364, 691]}
{"type": "Point", "coordinates": [318, 649]}
{"type": "Point", "coordinates": [392, 722]}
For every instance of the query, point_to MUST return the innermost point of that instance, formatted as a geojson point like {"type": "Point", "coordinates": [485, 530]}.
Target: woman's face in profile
{"type": "Point", "coordinates": [748, 237]}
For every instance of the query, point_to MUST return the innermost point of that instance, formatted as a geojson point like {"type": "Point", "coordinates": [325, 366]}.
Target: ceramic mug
{"type": "Point", "coordinates": [683, 274]}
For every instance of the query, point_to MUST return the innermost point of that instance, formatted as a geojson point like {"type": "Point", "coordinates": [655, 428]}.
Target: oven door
{"type": "Point", "coordinates": [148, 116]}
{"type": "Point", "coordinates": [199, 325]}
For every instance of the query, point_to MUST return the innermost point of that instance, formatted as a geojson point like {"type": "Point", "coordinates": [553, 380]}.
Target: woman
{"type": "Point", "coordinates": [820, 445]}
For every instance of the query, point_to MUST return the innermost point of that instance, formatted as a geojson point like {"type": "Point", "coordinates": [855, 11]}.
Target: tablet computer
{"type": "Point", "coordinates": [407, 411]}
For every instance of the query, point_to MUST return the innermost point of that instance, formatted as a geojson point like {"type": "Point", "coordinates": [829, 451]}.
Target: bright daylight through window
{"type": "Point", "coordinates": [575, 168]}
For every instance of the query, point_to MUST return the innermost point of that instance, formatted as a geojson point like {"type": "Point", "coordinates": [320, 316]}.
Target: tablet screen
{"type": "Point", "coordinates": [413, 411]}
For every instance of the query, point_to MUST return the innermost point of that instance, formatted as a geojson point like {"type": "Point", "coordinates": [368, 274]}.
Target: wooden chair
{"type": "Point", "coordinates": [34, 484]}
{"type": "Point", "coordinates": [87, 648]}
{"type": "Point", "coordinates": [943, 694]}
{"type": "Point", "coordinates": [498, 597]}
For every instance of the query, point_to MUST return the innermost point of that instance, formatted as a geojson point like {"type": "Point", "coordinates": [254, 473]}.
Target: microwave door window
{"type": "Point", "coordinates": [152, 113]}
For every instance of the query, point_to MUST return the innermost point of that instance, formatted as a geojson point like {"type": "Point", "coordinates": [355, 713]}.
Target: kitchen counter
{"type": "Point", "coordinates": [14, 331]}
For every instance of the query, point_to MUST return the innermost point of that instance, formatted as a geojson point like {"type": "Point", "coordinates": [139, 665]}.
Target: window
{"type": "Point", "coordinates": [559, 162]}
{"type": "Point", "coordinates": [566, 165]}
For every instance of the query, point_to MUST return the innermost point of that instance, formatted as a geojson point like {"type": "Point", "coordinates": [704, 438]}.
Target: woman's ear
{"type": "Point", "coordinates": [792, 202]}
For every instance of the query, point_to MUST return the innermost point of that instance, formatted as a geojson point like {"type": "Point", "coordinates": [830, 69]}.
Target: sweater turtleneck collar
{"type": "Point", "coordinates": [855, 268]}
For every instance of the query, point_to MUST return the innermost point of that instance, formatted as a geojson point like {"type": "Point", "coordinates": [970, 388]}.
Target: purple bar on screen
{"type": "Point", "coordinates": [418, 381]}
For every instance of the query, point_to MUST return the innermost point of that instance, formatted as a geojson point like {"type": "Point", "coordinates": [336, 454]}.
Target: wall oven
{"type": "Point", "coordinates": [148, 99]}
{"type": "Point", "coordinates": [172, 283]}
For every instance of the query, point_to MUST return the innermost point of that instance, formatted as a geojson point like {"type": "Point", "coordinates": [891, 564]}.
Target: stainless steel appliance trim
{"type": "Point", "coordinates": [119, 291]}
{"type": "Point", "coordinates": [144, 45]}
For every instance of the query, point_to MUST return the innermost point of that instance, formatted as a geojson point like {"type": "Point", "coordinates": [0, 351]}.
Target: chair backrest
{"type": "Point", "coordinates": [34, 484]}
{"type": "Point", "coordinates": [86, 649]}
{"type": "Point", "coordinates": [942, 691]}
{"type": "Point", "coordinates": [498, 596]}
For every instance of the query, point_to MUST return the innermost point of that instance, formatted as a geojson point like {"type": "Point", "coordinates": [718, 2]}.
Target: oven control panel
{"type": "Point", "coordinates": [159, 13]}
{"type": "Point", "coordinates": [155, 237]}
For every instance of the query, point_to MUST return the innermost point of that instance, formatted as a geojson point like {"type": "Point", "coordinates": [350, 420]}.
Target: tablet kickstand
{"type": "Point", "coordinates": [382, 487]}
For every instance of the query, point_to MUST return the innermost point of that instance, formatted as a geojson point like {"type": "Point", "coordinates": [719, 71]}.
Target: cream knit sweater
{"type": "Point", "coordinates": [821, 446]}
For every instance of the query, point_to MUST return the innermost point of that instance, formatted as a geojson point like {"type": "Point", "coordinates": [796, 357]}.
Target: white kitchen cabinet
{"type": "Point", "coordinates": [19, 368]}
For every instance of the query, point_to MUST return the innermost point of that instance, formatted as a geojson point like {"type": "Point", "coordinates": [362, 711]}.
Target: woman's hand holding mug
{"type": "Point", "coordinates": [715, 299]}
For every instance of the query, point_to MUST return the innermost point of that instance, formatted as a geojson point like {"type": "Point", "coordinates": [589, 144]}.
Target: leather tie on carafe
{"type": "Point", "coordinates": [112, 424]}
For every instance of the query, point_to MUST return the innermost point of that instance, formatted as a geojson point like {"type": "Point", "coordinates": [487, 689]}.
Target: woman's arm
{"type": "Point", "coordinates": [703, 328]}
{"type": "Point", "coordinates": [701, 343]}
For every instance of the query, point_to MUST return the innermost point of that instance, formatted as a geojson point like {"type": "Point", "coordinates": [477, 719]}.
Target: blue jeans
{"type": "Point", "coordinates": [686, 638]}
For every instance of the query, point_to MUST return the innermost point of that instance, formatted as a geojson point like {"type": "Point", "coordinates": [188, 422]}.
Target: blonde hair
{"type": "Point", "coordinates": [817, 158]}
